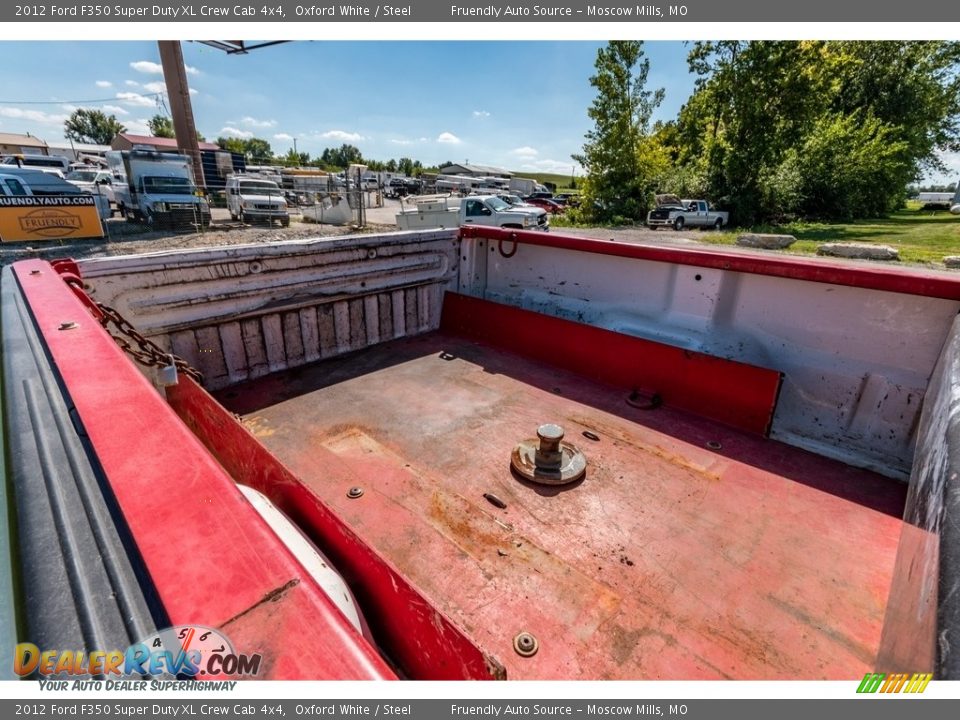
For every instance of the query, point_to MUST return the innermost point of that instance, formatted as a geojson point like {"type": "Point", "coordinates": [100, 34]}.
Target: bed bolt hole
{"type": "Point", "coordinates": [698, 277]}
{"type": "Point", "coordinates": [525, 644]}
{"type": "Point", "coordinates": [714, 445]}
{"type": "Point", "coordinates": [69, 325]}
{"type": "Point", "coordinates": [355, 492]}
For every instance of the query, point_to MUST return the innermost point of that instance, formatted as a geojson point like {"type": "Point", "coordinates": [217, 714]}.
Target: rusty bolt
{"type": "Point", "coordinates": [355, 492]}
{"type": "Point", "coordinates": [525, 644]}
{"type": "Point", "coordinates": [548, 455]}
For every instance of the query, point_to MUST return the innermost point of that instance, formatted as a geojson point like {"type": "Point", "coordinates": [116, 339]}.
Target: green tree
{"type": "Point", "coordinates": [91, 126]}
{"type": "Point", "coordinates": [850, 165]}
{"type": "Point", "coordinates": [391, 165]}
{"type": "Point", "coordinates": [254, 149]}
{"type": "Point", "coordinates": [754, 101]}
{"type": "Point", "coordinates": [342, 156]}
{"type": "Point", "coordinates": [911, 86]}
{"type": "Point", "coordinates": [621, 159]}
{"type": "Point", "coordinates": [767, 117]}
{"type": "Point", "coordinates": [296, 159]}
{"type": "Point", "coordinates": [161, 126]}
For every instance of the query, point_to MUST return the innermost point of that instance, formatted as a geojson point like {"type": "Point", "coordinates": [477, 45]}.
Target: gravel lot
{"type": "Point", "coordinates": [125, 238]}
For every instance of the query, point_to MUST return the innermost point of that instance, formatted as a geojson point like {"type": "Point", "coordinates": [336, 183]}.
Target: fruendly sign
{"type": "Point", "coordinates": [49, 218]}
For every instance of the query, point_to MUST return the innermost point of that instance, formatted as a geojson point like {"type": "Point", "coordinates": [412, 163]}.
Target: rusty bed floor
{"type": "Point", "coordinates": [668, 561]}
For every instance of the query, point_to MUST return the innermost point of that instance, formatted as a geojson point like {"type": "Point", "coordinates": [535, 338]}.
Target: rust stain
{"type": "Point", "coordinates": [619, 435]}
{"type": "Point", "coordinates": [576, 598]}
{"type": "Point", "coordinates": [258, 426]}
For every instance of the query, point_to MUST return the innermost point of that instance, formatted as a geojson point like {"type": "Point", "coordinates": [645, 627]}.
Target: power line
{"type": "Point", "coordinates": [73, 102]}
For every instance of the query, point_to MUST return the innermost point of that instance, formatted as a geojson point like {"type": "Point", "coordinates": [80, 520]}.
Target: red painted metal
{"type": "Point", "coordinates": [740, 395]}
{"type": "Point", "coordinates": [212, 559]}
{"type": "Point", "coordinates": [891, 279]}
{"type": "Point", "coordinates": [424, 643]}
{"type": "Point", "coordinates": [669, 560]}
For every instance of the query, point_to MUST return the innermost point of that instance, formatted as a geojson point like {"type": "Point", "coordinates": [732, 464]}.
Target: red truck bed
{"type": "Point", "coordinates": [669, 560]}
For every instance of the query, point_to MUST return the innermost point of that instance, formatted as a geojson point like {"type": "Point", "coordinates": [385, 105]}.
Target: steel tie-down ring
{"type": "Point", "coordinates": [513, 252]}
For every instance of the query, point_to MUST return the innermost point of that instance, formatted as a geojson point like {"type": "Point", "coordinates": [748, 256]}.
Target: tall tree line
{"type": "Point", "coordinates": [780, 129]}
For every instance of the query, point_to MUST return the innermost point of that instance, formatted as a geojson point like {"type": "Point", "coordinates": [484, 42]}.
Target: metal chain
{"type": "Point", "coordinates": [147, 352]}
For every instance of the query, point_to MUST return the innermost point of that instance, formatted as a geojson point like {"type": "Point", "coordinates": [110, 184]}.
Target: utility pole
{"type": "Point", "coordinates": [178, 91]}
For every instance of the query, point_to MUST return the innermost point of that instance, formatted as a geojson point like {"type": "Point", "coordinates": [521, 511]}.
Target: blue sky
{"type": "Point", "coordinates": [516, 104]}
{"type": "Point", "coordinates": [521, 105]}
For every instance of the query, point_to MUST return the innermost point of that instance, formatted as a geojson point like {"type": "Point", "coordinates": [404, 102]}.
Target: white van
{"type": "Point", "coordinates": [253, 198]}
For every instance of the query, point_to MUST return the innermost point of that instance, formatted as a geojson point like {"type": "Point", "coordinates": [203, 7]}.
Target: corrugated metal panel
{"type": "Point", "coordinates": [243, 312]}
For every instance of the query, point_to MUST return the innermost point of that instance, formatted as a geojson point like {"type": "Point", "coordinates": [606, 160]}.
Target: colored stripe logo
{"type": "Point", "coordinates": [894, 682]}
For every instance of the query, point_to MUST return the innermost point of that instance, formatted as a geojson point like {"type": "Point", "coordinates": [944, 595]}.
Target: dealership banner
{"type": "Point", "coordinates": [49, 218]}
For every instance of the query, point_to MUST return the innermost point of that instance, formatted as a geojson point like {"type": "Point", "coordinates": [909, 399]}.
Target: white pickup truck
{"type": "Point", "coordinates": [690, 213]}
{"type": "Point", "coordinates": [442, 211]}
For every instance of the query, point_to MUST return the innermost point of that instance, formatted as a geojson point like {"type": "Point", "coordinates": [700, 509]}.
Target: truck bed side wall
{"type": "Point", "coordinates": [922, 625]}
{"type": "Point", "coordinates": [856, 344]}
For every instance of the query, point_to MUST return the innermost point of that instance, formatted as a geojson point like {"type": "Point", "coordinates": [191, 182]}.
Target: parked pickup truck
{"type": "Point", "coordinates": [443, 211]}
{"type": "Point", "coordinates": [690, 213]}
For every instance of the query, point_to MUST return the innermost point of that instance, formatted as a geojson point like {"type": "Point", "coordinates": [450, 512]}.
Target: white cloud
{"type": "Point", "coordinates": [229, 131]}
{"type": "Point", "coordinates": [115, 109]}
{"type": "Point", "coordinates": [155, 87]}
{"type": "Point", "coordinates": [193, 92]}
{"type": "Point", "coordinates": [283, 136]}
{"type": "Point", "coordinates": [448, 139]}
{"type": "Point", "coordinates": [37, 116]}
{"type": "Point", "coordinates": [140, 126]}
{"type": "Point", "coordinates": [525, 152]}
{"type": "Point", "coordinates": [136, 99]}
{"type": "Point", "coordinates": [342, 135]}
{"type": "Point", "coordinates": [253, 122]}
{"type": "Point", "coordinates": [481, 114]}
{"type": "Point", "coordinates": [152, 68]}
{"type": "Point", "coordinates": [145, 66]}
{"type": "Point", "coordinates": [104, 84]}
{"type": "Point", "coordinates": [131, 83]}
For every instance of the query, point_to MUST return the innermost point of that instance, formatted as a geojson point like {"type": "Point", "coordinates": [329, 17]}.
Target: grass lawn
{"type": "Point", "coordinates": [921, 236]}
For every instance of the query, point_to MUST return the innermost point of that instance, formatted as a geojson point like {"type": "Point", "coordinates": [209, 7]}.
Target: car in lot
{"type": "Point", "coordinates": [93, 180]}
{"type": "Point", "coordinates": [688, 213]}
{"type": "Point", "coordinates": [567, 199]}
{"type": "Point", "coordinates": [514, 200]}
{"type": "Point", "coordinates": [252, 199]}
{"type": "Point", "coordinates": [546, 203]}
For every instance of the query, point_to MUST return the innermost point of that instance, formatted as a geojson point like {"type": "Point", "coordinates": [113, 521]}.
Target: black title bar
{"type": "Point", "coordinates": [619, 11]}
